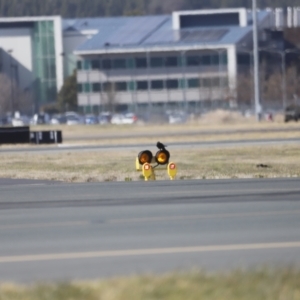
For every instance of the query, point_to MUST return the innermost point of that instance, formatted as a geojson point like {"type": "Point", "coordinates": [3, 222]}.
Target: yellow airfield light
{"type": "Point", "coordinates": [149, 164]}
{"type": "Point", "coordinates": [147, 171]}
{"type": "Point", "coordinates": [172, 170]}
{"type": "Point", "coordinates": [162, 157]}
{"type": "Point", "coordinates": [145, 157]}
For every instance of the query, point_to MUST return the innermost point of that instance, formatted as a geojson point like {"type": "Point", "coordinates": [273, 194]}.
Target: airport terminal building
{"type": "Point", "coordinates": [30, 55]}
{"type": "Point", "coordinates": [186, 59]}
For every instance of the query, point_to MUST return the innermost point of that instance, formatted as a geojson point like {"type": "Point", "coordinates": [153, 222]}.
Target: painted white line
{"type": "Point", "coordinates": [198, 217]}
{"type": "Point", "coordinates": [140, 252]}
{"type": "Point", "coordinates": [42, 225]}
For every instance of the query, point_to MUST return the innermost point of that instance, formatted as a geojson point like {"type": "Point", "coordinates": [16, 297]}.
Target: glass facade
{"type": "Point", "coordinates": [44, 61]}
{"type": "Point", "coordinates": [159, 84]}
{"type": "Point", "coordinates": [154, 62]}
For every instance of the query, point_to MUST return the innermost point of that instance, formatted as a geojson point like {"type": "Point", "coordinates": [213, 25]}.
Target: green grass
{"type": "Point", "coordinates": [262, 284]}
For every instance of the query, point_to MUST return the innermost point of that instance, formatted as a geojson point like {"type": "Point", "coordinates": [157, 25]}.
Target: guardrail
{"type": "Point", "coordinates": [23, 135]}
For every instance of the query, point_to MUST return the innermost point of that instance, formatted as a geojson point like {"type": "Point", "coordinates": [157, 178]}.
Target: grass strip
{"type": "Point", "coordinates": [115, 165]}
{"type": "Point", "coordinates": [263, 284]}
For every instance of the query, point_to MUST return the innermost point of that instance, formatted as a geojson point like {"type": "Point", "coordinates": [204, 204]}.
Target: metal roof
{"type": "Point", "coordinates": [151, 31]}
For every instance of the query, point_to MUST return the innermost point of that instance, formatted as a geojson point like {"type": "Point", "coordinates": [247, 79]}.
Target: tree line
{"type": "Point", "coordinates": [98, 8]}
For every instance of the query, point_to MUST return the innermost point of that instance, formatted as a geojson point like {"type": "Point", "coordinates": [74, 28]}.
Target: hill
{"type": "Point", "coordinates": [96, 8]}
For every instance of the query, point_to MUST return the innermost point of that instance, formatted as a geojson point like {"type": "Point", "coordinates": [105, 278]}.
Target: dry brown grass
{"type": "Point", "coordinates": [218, 120]}
{"type": "Point", "coordinates": [238, 285]}
{"type": "Point", "coordinates": [116, 165]}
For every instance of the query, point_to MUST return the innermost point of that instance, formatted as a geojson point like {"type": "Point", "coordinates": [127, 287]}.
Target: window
{"type": "Point", "coordinates": [156, 62]}
{"type": "Point", "coordinates": [108, 87]}
{"type": "Point", "coordinates": [193, 61]}
{"type": "Point", "coordinates": [141, 63]}
{"type": "Point", "coordinates": [157, 84]}
{"type": "Point", "coordinates": [130, 63]}
{"type": "Point", "coordinates": [131, 86]}
{"type": "Point", "coordinates": [79, 88]}
{"type": "Point", "coordinates": [215, 82]}
{"type": "Point", "coordinates": [172, 84]}
{"type": "Point", "coordinates": [86, 87]}
{"type": "Point", "coordinates": [86, 64]}
{"type": "Point", "coordinates": [96, 87]}
{"type": "Point", "coordinates": [193, 82]}
{"type": "Point", "coordinates": [182, 83]}
{"type": "Point", "coordinates": [79, 65]}
{"type": "Point", "coordinates": [206, 60]}
{"type": "Point", "coordinates": [106, 64]}
{"type": "Point", "coordinates": [119, 63]}
{"type": "Point", "coordinates": [142, 85]}
{"type": "Point", "coordinates": [171, 61]}
{"type": "Point", "coordinates": [214, 59]}
{"type": "Point", "coordinates": [206, 82]}
{"type": "Point", "coordinates": [95, 63]}
{"type": "Point", "coordinates": [224, 58]}
{"type": "Point", "coordinates": [121, 86]}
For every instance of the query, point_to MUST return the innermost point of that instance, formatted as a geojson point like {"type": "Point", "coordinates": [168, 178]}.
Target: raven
{"type": "Point", "coordinates": [161, 146]}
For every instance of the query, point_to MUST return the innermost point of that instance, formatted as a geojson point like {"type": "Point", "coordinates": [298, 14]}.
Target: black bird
{"type": "Point", "coordinates": [161, 146]}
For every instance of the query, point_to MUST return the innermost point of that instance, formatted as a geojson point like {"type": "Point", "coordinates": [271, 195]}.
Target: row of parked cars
{"type": "Point", "coordinates": [72, 118]}
{"type": "Point", "coordinates": [69, 118]}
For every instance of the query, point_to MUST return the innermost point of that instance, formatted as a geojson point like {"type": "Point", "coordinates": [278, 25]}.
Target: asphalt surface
{"type": "Point", "coordinates": [133, 146]}
{"type": "Point", "coordinates": [57, 231]}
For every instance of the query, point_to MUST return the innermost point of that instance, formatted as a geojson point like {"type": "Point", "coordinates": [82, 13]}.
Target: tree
{"type": "Point", "coordinates": [67, 96]}
{"type": "Point", "coordinates": [13, 98]}
{"type": "Point", "coordinates": [109, 97]}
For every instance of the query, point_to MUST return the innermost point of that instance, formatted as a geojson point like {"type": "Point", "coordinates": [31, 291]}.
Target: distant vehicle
{"type": "Point", "coordinates": [72, 118]}
{"type": "Point", "coordinates": [177, 118]}
{"type": "Point", "coordinates": [90, 120]}
{"type": "Point", "coordinates": [5, 120]}
{"type": "Point", "coordinates": [128, 118]}
{"type": "Point", "coordinates": [104, 118]}
{"type": "Point", "coordinates": [292, 113]}
{"type": "Point", "coordinates": [58, 119]}
{"type": "Point", "coordinates": [40, 118]}
{"type": "Point", "coordinates": [20, 120]}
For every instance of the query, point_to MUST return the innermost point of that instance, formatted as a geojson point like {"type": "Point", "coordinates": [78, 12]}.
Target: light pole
{"type": "Point", "coordinates": [256, 63]}
{"type": "Point", "coordinates": [10, 51]}
{"type": "Point", "coordinates": [183, 66]}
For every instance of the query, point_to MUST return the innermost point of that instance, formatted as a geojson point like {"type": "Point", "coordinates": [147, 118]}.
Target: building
{"type": "Point", "coordinates": [189, 59]}
{"type": "Point", "coordinates": [31, 49]}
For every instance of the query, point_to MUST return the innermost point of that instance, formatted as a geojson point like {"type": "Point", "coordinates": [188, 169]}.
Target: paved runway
{"type": "Point", "coordinates": [61, 231]}
{"type": "Point", "coordinates": [181, 145]}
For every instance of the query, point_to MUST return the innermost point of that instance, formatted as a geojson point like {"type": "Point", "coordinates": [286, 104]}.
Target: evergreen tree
{"type": "Point", "coordinates": [67, 97]}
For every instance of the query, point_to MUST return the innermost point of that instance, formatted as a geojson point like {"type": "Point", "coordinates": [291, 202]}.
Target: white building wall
{"type": "Point", "coordinates": [19, 41]}
{"type": "Point", "coordinates": [232, 70]}
{"type": "Point", "coordinates": [71, 40]}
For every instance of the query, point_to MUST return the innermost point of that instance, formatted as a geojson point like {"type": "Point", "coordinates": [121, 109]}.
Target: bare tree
{"type": "Point", "coordinates": [292, 84]}
{"type": "Point", "coordinates": [272, 90]}
{"type": "Point", "coordinates": [13, 98]}
{"type": "Point", "coordinates": [166, 6]}
{"type": "Point", "coordinates": [245, 89]}
{"type": "Point", "coordinates": [109, 97]}
{"type": "Point", "coordinates": [5, 94]}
